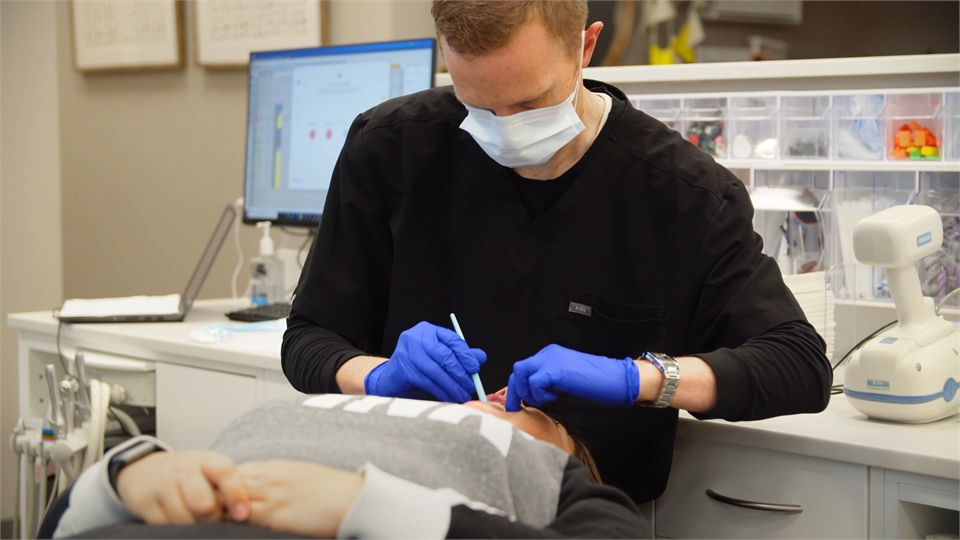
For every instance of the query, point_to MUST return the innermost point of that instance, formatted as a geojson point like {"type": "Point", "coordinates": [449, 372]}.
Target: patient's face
{"type": "Point", "coordinates": [529, 419]}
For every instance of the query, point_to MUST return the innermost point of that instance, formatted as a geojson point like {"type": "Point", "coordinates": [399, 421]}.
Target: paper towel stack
{"type": "Point", "coordinates": [817, 303]}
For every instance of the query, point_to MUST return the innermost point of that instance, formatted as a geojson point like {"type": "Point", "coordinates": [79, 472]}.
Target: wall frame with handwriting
{"type": "Point", "coordinates": [227, 31]}
{"type": "Point", "coordinates": [119, 36]}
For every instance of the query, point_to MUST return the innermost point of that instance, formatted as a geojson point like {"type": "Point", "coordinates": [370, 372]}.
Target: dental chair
{"type": "Point", "coordinates": [144, 531]}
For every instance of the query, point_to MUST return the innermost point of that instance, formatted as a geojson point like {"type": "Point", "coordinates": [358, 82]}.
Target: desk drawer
{"type": "Point", "coordinates": [832, 495]}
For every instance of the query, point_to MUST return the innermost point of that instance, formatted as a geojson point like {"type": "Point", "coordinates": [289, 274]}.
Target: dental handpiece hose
{"type": "Point", "coordinates": [481, 395]}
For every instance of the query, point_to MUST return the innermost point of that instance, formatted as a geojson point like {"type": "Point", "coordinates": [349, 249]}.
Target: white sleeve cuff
{"type": "Point", "coordinates": [93, 501]}
{"type": "Point", "coordinates": [391, 507]}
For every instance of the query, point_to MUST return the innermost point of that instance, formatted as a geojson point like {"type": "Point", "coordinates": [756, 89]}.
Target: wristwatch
{"type": "Point", "coordinates": [127, 456]}
{"type": "Point", "coordinates": [671, 378]}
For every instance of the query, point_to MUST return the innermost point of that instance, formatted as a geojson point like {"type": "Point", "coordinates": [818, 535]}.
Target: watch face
{"type": "Point", "coordinates": [660, 357]}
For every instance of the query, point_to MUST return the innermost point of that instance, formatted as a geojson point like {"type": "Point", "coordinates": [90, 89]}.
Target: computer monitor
{"type": "Point", "coordinates": [301, 104]}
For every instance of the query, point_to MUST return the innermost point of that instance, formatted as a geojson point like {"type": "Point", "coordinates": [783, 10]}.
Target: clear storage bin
{"type": "Point", "coordinates": [914, 126]}
{"type": "Point", "coordinates": [743, 175]}
{"type": "Point", "coordinates": [753, 127]}
{"type": "Point", "coordinates": [805, 127]}
{"type": "Point", "coordinates": [951, 126]}
{"type": "Point", "coordinates": [788, 216]}
{"type": "Point", "coordinates": [856, 195]}
{"type": "Point", "coordinates": [940, 272]}
{"type": "Point", "coordinates": [703, 123]}
{"type": "Point", "coordinates": [858, 127]}
{"type": "Point", "coordinates": [664, 110]}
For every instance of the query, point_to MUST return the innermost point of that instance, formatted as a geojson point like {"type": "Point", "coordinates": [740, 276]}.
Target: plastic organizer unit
{"type": "Point", "coordinates": [850, 125]}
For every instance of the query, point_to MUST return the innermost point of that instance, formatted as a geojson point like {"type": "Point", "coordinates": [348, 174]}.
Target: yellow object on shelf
{"type": "Point", "coordinates": [661, 56]}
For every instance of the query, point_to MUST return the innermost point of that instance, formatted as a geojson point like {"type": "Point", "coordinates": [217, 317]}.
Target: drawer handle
{"type": "Point", "coordinates": [766, 507]}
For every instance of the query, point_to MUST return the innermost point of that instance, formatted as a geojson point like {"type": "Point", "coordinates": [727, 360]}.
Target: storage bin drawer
{"type": "Point", "coordinates": [832, 495]}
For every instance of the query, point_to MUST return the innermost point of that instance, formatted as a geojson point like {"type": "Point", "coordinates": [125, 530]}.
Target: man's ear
{"type": "Point", "coordinates": [590, 41]}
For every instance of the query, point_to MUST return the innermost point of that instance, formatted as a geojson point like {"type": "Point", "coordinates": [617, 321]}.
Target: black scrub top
{"type": "Point", "coordinates": [652, 234]}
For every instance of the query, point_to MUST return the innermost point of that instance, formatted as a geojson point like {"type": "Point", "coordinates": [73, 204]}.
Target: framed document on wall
{"type": "Point", "coordinates": [227, 31]}
{"type": "Point", "coordinates": [111, 36]}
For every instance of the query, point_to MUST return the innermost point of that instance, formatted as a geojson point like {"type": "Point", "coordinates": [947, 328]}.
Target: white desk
{"type": "Point", "coordinates": [199, 387]}
{"type": "Point", "coordinates": [853, 477]}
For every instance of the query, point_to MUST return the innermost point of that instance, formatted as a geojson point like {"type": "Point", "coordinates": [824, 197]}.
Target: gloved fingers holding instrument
{"type": "Point", "coordinates": [428, 359]}
{"type": "Point", "coordinates": [607, 381]}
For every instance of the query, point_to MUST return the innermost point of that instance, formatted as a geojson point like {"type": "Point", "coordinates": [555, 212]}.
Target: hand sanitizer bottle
{"type": "Point", "coordinates": [266, 272]}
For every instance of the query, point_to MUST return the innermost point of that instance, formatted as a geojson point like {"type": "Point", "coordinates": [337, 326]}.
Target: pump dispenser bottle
{"type": "Point", "coordinates": [266, 272]}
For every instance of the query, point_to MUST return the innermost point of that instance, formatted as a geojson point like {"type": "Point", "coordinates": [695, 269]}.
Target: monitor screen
{"type": "Point", "coordinates": [301, 104]}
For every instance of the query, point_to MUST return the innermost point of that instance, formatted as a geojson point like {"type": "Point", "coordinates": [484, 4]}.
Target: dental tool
{"type": "Point", "coordinates": [69, 407]}
{"type": "Point", "coordinates": [55, 416]}
{"type": "Point", "coordinates": [15, 444]}
{"type": "Point", "coordinates": [84, 390]}
{"type": "Point", "coordinates": [481, 395]}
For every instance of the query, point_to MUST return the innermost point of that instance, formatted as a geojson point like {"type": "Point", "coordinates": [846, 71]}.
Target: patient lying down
{"type": "Point", "coordinates": [352, 466]}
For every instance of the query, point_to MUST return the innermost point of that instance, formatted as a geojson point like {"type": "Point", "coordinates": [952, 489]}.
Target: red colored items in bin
{"type": "Point", "coordinates": [915, 142]}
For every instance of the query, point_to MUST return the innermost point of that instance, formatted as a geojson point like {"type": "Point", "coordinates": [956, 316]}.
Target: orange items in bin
{"type": "Point", "coordinates": [914, 141]}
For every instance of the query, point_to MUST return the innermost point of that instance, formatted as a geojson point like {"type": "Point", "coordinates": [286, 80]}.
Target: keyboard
{"type": "Point", "coordinates": [261, 313]}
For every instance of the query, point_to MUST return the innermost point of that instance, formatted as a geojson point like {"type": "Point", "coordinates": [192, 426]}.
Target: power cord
{"type": "Point", "coordinates": [947, 298]}
{"type": "Point", "coordinates": [838, 388]}
{"type": "Point", "coordinates": [293, 232]}
{"type": "Point", "coordinates": [236, 237]}
{"type": "Point", "coordinates": [63, 362]}
{"type": "Point", "coordinates": [311, 233]}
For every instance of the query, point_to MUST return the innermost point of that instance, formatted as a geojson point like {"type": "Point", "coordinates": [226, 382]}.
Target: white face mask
{"type": "Point", "coordinates": [528, 138]}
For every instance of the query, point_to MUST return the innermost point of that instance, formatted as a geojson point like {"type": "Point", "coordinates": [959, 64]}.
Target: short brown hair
{"type": "Point", "coordinates": [476, 27]}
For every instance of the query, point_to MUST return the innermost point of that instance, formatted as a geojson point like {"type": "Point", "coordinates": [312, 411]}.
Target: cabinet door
{"type": "Point", "coordinates": [832, 495]}
{"type": "Point", "coordinates": [276, 386]}
{"type": "Point", "coordinates": [194, 405]}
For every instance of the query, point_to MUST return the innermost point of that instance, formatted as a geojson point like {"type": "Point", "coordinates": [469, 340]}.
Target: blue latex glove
{"type": "Point", "coordinates": [607, 381]}
{"type": "Point", "coordinates": [431, 359]}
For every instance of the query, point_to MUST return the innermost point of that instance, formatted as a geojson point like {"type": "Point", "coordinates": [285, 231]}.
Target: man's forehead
{"type": "Point", "coordinates": [528, 65]}
{"type": "Point", "coordinates": [500, 93]}
{"type": "Point", "coordinates": [503, 80]}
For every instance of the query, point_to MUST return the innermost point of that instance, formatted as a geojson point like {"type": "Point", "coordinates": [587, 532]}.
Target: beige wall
{"type": "Point", "coordinates": [148, 162]}
{"type": "Point", "coordinates": [31, 276]}
{"type": "Point", "coordinates": [150, 159]}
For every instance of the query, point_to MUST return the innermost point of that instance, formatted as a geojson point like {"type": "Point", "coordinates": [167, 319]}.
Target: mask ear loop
{"type": "Point", "coordinates": [583, 44]}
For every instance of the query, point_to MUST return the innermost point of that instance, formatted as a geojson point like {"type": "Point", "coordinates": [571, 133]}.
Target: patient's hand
{"type": "Point", "coordinates": [183, 487]}
{"type": "Point", "coordinates": [298, 497]}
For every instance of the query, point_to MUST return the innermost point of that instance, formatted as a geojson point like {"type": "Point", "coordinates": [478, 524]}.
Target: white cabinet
{"type": "Point", "coordinates": [832, 497]}
{"type": "Point", "coordinates": [907, 505]}
{"type": "Point", "coordinates": [276, 386]}
{"type": "Point", "coordinates": [194, 405]}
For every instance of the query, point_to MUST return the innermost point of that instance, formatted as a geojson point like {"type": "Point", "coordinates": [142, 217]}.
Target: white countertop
{"type": "Point", "coordinates": [839, 433]}
{"type": "Point", "coordinates": [260, 350]}
{"type": "Point", "coordinates": [842, 433]}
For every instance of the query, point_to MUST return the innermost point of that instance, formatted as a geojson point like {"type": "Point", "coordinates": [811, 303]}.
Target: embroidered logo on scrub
{"type": "Point", "coordinates": [581, 309]}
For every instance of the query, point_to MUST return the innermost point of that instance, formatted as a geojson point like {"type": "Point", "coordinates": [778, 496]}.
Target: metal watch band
{"type": "Point", "coordinates": [671, 378]}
